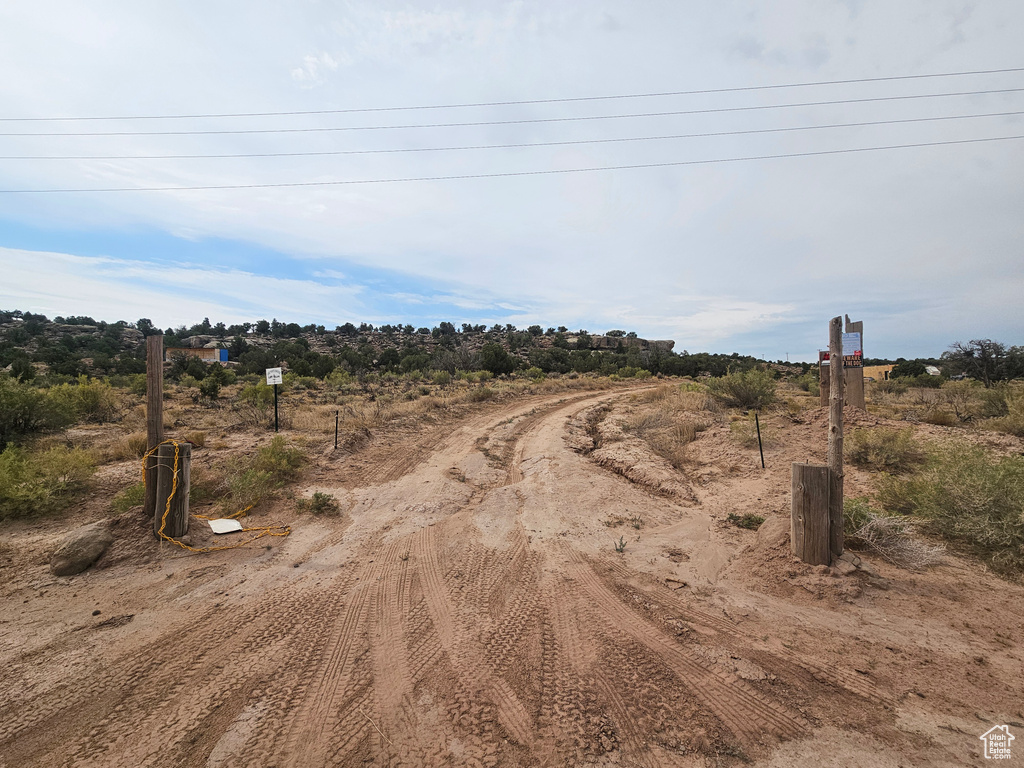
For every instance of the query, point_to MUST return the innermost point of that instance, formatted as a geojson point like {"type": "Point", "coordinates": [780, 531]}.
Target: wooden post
{"type": "Point", "coordinates": [855, 373]}
{"type": "Point", "coordinates": [154, 415]}
{"type": "Point", "coordinates": [809, 536]}
{"type": "Point", "coordinates": [176, 524]}
{"type": "Point", "coordinates": [835, 437]}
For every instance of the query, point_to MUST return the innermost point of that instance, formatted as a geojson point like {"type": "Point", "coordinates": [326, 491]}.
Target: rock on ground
{"type": "Point", "coordinates": [80, 549]}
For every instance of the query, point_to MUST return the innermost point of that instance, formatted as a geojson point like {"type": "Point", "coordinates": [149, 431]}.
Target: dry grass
{"type": "Point", "coordinates": [669, 418]}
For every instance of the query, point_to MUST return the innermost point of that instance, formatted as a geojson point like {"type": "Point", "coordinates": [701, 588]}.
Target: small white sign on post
{"type": "Point", "coordinates": [274, 376]}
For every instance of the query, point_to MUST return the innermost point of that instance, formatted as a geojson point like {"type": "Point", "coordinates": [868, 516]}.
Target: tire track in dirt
{"type": "Point", "coordinates": [744, 711]}
{"type": "Point", "coordinates": [511, 713]}
{"type": "Point", "coordinates": [181, 676]}
{"type": "Point", "coordinates": [844, 678]}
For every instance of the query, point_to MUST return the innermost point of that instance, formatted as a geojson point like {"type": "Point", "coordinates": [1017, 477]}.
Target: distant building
{"type": "Point", "coordinates": [877, 372]}
{"type": "Point", "coordinates": [207, 355]}
{"type": "Point", "coordinates": [932, 370]}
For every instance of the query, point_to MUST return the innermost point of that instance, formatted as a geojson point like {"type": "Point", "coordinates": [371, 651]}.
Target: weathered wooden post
{"type": "Point", "coordinates": [853, 370]}
{"type": "Point", "coordinates": [835, 437]}
{"type": "Point", "coordinates": [809, 534]}
{"type": "Point", "coordinates": [154, 415]}
{"type": "Point", "coordinates": [176, 524]}
{"type": "Point", "coordinates": [817, 515]}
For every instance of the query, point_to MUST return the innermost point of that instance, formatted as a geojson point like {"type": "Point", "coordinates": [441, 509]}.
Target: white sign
{"type": "Point", "coordinates": [274, 376]}
{"type": "Point", "coordinates": [997, 742]}
{"type": "Point", "coordinates": [851, 343]}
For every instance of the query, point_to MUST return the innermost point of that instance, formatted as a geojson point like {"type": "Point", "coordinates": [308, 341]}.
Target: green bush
{"type": "Point", "coordinates": [94, 401]}
{"type": "Point", "coordinates": [25, 410]}
{"type": "Point", "coordinates": [480, 394]}
{"type": "Point", "coordinates": [132, 496]}
{"type": "Point", "coordinates": [884, 450]}
{"type": "Point", "coordinates": [753, 389]}
{"type": "Point", "coordinates": [808, 383]}
{"type": "Point", "coordinates": [892, 386]}
{"type": "Point", "coordinates": [968, 497]}
{"type": "Point", "coordinates": [209, 388]}
{"type": "Point", "coordinates": [281, 461]}
{"type": "Point", "coordinates": [320, 504]}
{"type": "Point", "coordinates": [34, 483]}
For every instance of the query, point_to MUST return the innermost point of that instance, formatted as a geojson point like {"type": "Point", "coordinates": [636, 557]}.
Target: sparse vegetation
{"type": "Point", "coordinates": [320, 504]}
{"type": "Point", "coordinates": [749, 521]}
{"type": "Point", "coordinates": [890, 536]}
{"type": "Point", "coordinates": [751, 390]}
{"type": "Point", "coordinates": [620, 545]}
{"type": "Point", "coordinates": [39, 482]}
{"type": "Point", "coordinates": [132, 496]}
{"type": "Point", "coordinates": [884, 450]}
{"type": "Point", "coordinates": [744, 431]}
{"type": "Point", "coordinates": [968, 497]}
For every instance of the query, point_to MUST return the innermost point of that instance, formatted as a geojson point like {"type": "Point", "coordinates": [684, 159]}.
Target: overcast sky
{"type": "Point", "coordinates": [924, 244]}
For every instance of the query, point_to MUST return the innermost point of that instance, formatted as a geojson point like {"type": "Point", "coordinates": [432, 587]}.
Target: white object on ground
{"type": "Point", "coordinates": [224, 525]}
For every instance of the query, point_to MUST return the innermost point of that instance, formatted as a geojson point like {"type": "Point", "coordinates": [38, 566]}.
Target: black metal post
{"type": "Point", "coordinates": [336, 430]}
{"type": "Point", "coordinates": [275, 407]}
{"type": "Point", "coordinates": [757, 424]}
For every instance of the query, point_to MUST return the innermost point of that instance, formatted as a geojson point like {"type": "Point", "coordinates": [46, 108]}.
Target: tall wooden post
{"type": "Point", "coordinates": [154, 414]}
{"type": "Point", "coordinates": [176, 524]}
{"type": "Point", "coordinates": [835, 436]}
{"type": "Point", "coordinates": [809, 533]}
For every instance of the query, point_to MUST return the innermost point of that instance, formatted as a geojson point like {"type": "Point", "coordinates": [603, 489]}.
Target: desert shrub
{"type": "Point", "coordinates": [890, 536]}
{"type": "Point", "coordinates": [94, 401]}
{"type": "Point", "coordinates": [940, 417]}
{"type": "Point", "coordinates": [480, 394]}
{"type": "Point", "coordinates": [968, 497]}
{"type": "Point", "coordinates": [884, 450]}
{"type": "Point", "coordinates": [320, 504]}
{"type": "Point", "coordinates": [442, 378]}
{"type": "Point", "coordinates": [926, 381]}
{"type": "Point", "coordinates": [132, 496]}
{"type": "Point", "coordinates": [809, 383]}
{"type": "Point", "coordinates": [209, 388]}
{"type": "Point", "coordinates": [994, 402]}
{"type": "Point", "coordinates": [25, 410]}
{"type": "Point", "coordinates": [280, 460]}
{"type": "Point", "coordinates": [131, 446]}
{"type": "Point", "coordinates": [753, 389]}
{"type": "Point", "coordinates": [892, 386]}
{"type": "Point", "coordinates": [248, 487]}
{"type": "Point", "coordinates": [666, 433]}
{"type": "Point", "coordinates": [534, 373]}
{"type": "Point", "coordinates": [962, 398]}
{"type": "Point", "coordinates": [744, 431]}
{"type": "Point", "coordinates": [749, 521]}
{"type": "Point", "coordinates": [33, 483]}
{"type": "Point", "coordinates": [1013, 422]}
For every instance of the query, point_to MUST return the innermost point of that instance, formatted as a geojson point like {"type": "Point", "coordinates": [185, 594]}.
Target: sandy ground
{"type": "Point", "coordinates": [469, 608]}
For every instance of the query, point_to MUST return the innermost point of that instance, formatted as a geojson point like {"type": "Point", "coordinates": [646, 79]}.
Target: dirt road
{"type": "Point", "coordinates": [468, 608]}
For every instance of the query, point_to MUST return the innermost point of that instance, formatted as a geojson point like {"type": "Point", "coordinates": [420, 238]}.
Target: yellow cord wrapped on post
{"type": "Point", "coordinates": [261, 531]}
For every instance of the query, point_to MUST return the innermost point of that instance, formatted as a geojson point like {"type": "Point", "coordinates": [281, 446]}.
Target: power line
{"type": "Point", "coordinates": [512, 146]}
{"type": "Point", "coordinates": [703, 91]}
{"type": "Point", "coordinates": [525, 120]}
{"type": "Point", "coordinates": [517, 173]}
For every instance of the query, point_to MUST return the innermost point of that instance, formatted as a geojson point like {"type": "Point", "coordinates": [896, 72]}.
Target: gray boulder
{"type": "Point", "coordinates": [81, 548]}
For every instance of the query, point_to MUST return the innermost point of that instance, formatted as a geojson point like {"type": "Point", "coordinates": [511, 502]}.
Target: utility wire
{"type": "Point", "coordinates": [523, 101]}
{"type": "Point", "coordinates": [517, 173]}
{"type": "Point", "coordinates": [512, 146]}
{"type": "Point", "coordinates": [527, 120]}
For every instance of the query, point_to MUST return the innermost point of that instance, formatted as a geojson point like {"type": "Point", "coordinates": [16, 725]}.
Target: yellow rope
{"type": "Point", "coordinates": [261, 531]}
